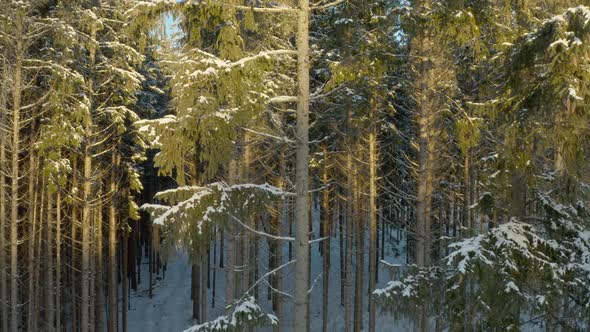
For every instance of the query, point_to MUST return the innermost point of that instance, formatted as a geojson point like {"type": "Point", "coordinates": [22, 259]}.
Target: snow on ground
{"type": "Point", "coordinates": [171, 307]}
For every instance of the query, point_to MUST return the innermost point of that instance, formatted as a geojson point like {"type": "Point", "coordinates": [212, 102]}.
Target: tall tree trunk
{"type": "Point", "coordinates": [125, 279]}
{"type": "Point", "coordinates": [34, 259]}
{"type": "Point", "coordinates": [16, 106]}
{"type": "Point", "coordinates": [203, 297]}
{"type": "Point", "coordinates": [49, 288]}
{"type": "Point", "coordinates": [249, 238]}
{"type": "Point", "coordinates": [360, 252]}
{"type": "Point", "coordinates": [151, 262]}
{"type": "Point", "coordinates": [326, 218]}
{"type": "Point", "coordinates": [341, 246]}
{"type": "Point", "coordinates": [58, 262]}
{"type": "Point", "coordinates": [283, 212]}
{"type": "Point", "coordinates": [214, 286]}
{"type": "Point", "coordinates": [4, 300]}
{"type": "Point", "coordinates": [112, 250]}
{"type": "Point", "coordinates": [348, 310]}
{"type": "Point", "coordinates": [195, 291]}
{"type": "Point", "coordinates": [302, 172]}
{"type": "Point", "coordinates": [373, 239]}
{"type": "Point", "coordinates": [74, 250]}
{"type": "Point", "coordinates": [426, 132]}
{"type": "Point", "coordinates": [99, 285]}
{"type": "Point", "coordinates": [230, 291]}
{"type": "Point", "coordinates": [39, 252]}
{"type": "Point", "coordinates": [86, 197]}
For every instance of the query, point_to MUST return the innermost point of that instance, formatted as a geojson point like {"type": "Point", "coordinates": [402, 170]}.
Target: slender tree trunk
{"type": "Point", "coordinates": [466, 222]}
{"type": "Point", "coordinates": [86, 199]}
{"type": "Point", "coordinates": [326, 217]}
{"type": "Point", "coordinates": [231, 247]}
{"type": "Point", "coordinates": [214, 286]}
{"type": "Point", "coordinates": [151, 262]}
{"type": "Point", "coordinates": [49, 288]}
{"type": "Point", "coordinates": [112, 255]}
{"type": "Point", "coordinates": [422, 222]}
{"type": "Point", "coordinates": [348, 310]}
{"type": "Point", "coordinates": [283, 222]}
{"type": "Point", "coordinates": [16, 106]}
{"type": "Point", "coordinates": [248, 238]}
{"type": "Point", "coordinates": [373, 239]}
{"type": "Point", "coordinates": [73, 249]}
{"type": "Point", "coordinates": [38, 272]}
{"type": "Point", "coordinates": [125, 280]}
{"type": "Point", "coordinates": [195, 290]}
{"type": "Point", "coordinates": [203, 297]}
{"type": "Point", "coordinates": [301, 318]}
{"type": "Point", "coordinates": [360, 254]}
{"type": "Point", "coordinates": [341, 246]}
{"type": "Point", "coordinates": [4, 300]}
{"type": "Point", "coordinates": [99, 310]}
{"type": "Point", "coordinates": [92, 274]}
{"type": "Point", "coordinates": [58, 262]}
{"type": "Point", "coordinates": [34, 259]}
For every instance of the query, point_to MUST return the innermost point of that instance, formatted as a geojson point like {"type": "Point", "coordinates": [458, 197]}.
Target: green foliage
{"type": "Point", "coordinates": [468, 132]}
{"type": "Point", "coordinates": [193, 210]}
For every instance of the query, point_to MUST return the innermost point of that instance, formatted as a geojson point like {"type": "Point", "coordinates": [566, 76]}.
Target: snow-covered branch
{"type": "Point", "coordinates": [278, 9]}
{"type": "Point", "coordinates": [246, 313]}
{"type": "Point", "coordinates": [282, 99]}
{"type": "Point", "coordinates": [219, 64]}
{"type": "Point", "coordinates": [274, 237]}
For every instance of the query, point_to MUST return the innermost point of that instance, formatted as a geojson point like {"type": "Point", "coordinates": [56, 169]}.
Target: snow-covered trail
{"type": "Point", "coordinates": [170, 307]}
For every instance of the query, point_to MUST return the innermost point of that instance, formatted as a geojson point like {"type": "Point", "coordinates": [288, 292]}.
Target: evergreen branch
{"type": "Point", "coordinates": [252, 8]}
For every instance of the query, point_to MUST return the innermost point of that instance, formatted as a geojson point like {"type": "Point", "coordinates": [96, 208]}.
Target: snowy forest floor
{"type": "Point", "coordinates": [171, 306]}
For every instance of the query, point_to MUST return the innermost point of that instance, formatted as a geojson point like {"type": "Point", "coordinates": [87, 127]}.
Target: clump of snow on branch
{"type": "Point", "coordinates": [245, 313]}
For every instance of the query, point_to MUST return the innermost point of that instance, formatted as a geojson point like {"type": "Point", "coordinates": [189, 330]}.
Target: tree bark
{"type": "Point", "coordinates": [125, 279]}
{"type": "Point", "coordinates": [99, 308]}
{"type": "Point", "coordinates": [112, 250]}
{"type": "Point", "coordinates": [283, 222]}
{"type": "Point", "coordinates": [49, 289]}
{"type": "Point", "coordinates": [4, 299]}
{"type": "Point", "coordinates": [373, 239]}
{"type": "Point", "coordinates": [360, 254]}
{"type": "Point", "coordinates": [58, 262]}
{"type": "Point", "coordinates": [231, 246]}
{"type": "Point", "coordinates": [466, 196]}
{"type": "Point", "coordinates": [326, 217]}
{"type": "Point", "coordinates": [73, 253]}
{"type": "Point", "coordinates": [301, 317]}
{"type": "Point", "coordinates": [16, 106]}
{"type": "Point", "coordinates": [348, 310]}
{"type": "Point", "coordinates": [86, 197]}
